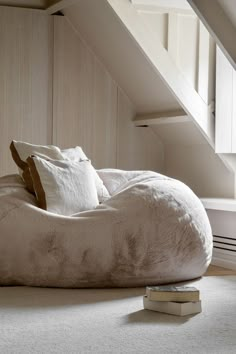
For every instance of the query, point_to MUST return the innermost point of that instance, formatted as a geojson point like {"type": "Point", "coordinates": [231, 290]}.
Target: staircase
{"type": "Point", "coordinates": [220, 20]}
{"type": "Point", "coordinates": [183, 54]}
{"type": "Point", "coordinates": [202, 77]}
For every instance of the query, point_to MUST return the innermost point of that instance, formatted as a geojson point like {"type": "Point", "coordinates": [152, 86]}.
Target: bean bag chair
{"type": "Point", "coordinates": [153, 230]}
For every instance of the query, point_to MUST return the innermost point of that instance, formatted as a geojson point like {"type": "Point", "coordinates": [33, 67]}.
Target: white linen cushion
{"type": "Point", "coordinates": [63, 187]}
{"type": "Point", "coordinates": [77, 154]}
{"type": "Point", "coordinates": [21, 151]}
{"type": "Point", "coordinates": [74, 154]}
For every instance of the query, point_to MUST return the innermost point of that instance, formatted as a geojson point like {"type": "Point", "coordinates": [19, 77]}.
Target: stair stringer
{"type": "Point", "coordinates": [230, 162]}
{"type": "Point", "coordinates": [188, 98]}
{"type": "Point", "coordinates": [218, 24]}
{"type": "Point", "coordinates": [157, 55]}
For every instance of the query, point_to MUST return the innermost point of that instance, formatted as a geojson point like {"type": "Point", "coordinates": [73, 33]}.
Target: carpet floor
{"type": "Point", "coordinates": [37, 320]}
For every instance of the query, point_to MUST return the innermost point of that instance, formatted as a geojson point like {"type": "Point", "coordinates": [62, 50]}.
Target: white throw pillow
{"type": "Point", "coordinates": [21, 151]}
{"type": "Point", "coordinates": [74, 154]}
{"type": "Point", "coordinates": [63, 187]}
{"type": "Point", "coordinates": [77, 154]}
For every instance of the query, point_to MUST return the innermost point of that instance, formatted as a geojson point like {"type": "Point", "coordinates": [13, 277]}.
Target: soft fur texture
{"type": "Point", "coordinates": [153, 230]}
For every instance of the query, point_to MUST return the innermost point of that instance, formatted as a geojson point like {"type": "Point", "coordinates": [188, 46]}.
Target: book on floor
{"type": "Point", "coordinates": [172, 308]}
{"type": "Point", "coordinates": [172, 293]}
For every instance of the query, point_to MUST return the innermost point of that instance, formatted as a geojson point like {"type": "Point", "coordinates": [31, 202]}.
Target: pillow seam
{"type": "Point", "coordinates": [16, 157]}
{"type": "Point", "coordinates": [39, 190]}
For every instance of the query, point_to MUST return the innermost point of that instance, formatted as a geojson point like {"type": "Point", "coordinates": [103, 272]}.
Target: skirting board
{"type": "Point", "coordinates": [223, 259]}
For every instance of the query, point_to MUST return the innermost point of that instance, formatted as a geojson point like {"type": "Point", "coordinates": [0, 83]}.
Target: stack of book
{"type": "Point", "coordinates": [175, 300]}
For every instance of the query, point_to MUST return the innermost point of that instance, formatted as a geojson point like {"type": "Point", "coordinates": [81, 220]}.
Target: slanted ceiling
{"type": "Point", "coordinates": [121, 55]}
{"type": "Point", "coordinates": [229, 9]}
{"type": "Point", "coordinates": [32, 4]}
{"type": "Point", "coordinates": [116, 49]}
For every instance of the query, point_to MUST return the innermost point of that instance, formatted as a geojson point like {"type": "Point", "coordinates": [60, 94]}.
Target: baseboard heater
{"type": "Point", "coordinates": [224, 243]}
{"type": "Point", "coordinates": [223, 225]}
{"type": "Point", "coordinates": [224, 251]}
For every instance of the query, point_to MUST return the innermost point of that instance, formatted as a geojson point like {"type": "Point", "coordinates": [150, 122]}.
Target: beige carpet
{"type": "Point", "coordinates": [35, 320]}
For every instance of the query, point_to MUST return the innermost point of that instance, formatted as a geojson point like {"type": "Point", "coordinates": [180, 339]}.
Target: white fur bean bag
{"type": "Point", "coordinates": [153, 230]}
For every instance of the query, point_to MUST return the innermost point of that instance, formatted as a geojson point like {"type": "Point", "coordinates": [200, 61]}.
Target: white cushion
{"type": "Point", "coordinates": [21, 151]}
{"type": "Point", "coordinates": [63, 187]}
{"type": "Point", "coordinates": [74, 154]}
{"type": "Point", "coordinates": [77, 154]}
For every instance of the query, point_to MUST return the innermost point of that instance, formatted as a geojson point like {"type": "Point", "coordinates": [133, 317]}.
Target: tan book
{"type": "Point", "coordinates": [172, 293]}
{"type": "Point", "coordinates": [173, 308]}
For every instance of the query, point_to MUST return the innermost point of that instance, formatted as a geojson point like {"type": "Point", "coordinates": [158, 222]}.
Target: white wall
{"type": "Point", "coordinates": [84, 96]}
{"type": "Point", "coordinates": [190, 159]}
{"type": "Point", "coordinates": [25, 80]}
{"type": "Point", "coordinates": [109, 39]}
{"type": "Point", "coordinates": [201, 169]}
{"type": "Point", "coordinates": [137, 148]}
{"type": "Point", "coordinates": [88, 107]}
{"type": "Point", "coordinates": [53, 89]}
{"type": "Point", "coordinates": [225, 105]}
{"type": "Point", "coordinates": [93, 111]}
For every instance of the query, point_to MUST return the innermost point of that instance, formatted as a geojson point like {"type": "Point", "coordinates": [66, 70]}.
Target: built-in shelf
{"type": "Point", "coordinates": [161, 118]}
{"type": "Point", "coordinates": [224, 204]}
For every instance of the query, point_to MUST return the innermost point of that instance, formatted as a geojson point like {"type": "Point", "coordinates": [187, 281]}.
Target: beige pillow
{"type": "Point", "coordinates": [77, 154]}
{"type": "Point", "coordinates": [63, 187]}
{"type": "Point", "coordinates": [21, 151]}
{"type": "Point", "coordinates": [74, 154]}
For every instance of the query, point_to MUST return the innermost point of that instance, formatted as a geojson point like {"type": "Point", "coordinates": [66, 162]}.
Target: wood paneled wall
{"type": "Point", "coordinates": [137, 148]}
{"type": "Point", "coordinates": [25, 80]}
{"type": "Point", "coordinates": [188, 43]}
{"type": "Point", "coordinates": [225, 105]}
{"type": "Point", "coordinates": [84, 108]}
{"type": "Point", "coordinates": [54, 90]}
{"type": "Point", "coordinates": [90, 110]}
